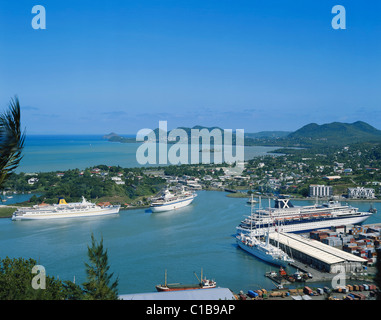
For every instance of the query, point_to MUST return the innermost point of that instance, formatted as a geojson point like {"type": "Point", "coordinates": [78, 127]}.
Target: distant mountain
{"type": "Point", "coordinates": [188, 130]}
{"type": "Point", "coordinates": [113, 137]}
{"type": "Point", "coordinates": [338, 132]}
{"type": "Point", "coordinates": [311, 135]}
{"type": "Point", "coordinates": [268, 134]}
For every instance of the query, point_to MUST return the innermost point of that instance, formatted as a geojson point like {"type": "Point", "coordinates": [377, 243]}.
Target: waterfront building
{"type": "Point", "coordinates": [317, 254]}
{"type": "Point", "coordinates": [361, 193]}
{"type": "Point", "coordinates": [320, 191]}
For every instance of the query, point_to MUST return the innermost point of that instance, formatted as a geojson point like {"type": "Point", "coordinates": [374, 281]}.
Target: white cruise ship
{"type": "Point", "coordinates": [64, 210]}
{"type": "Point", "coordinates": [263, 250]}
{"type": "Point", "coordinates": [285, 217]}
{"type": "Point", "coordinates": [171, 201]}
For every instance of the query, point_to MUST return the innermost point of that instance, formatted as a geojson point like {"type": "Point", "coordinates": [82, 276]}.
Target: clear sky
{"type": "Point", "coordinates": [102, 66]}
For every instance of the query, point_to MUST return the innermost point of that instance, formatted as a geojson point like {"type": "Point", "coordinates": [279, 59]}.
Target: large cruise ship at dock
{"type": "Point", "coordinates": [285, 217]}
{"type": "Point", "coordinates": [64, 210]}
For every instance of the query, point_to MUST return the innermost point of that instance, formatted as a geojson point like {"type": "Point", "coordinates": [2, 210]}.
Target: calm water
{"type": "Point", "coordinates": [141, 245]}
{"type": "Point", "coordinates": [54, 153]}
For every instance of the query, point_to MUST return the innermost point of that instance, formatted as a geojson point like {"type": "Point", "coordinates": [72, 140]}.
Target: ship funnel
{"type": "Point", "coordinates": [61, 201]}
{"type": "Point", "coordinates": [282, 202]}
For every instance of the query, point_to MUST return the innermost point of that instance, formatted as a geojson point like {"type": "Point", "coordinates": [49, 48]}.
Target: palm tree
{"type": "Point", "coordinates": [11, 140]}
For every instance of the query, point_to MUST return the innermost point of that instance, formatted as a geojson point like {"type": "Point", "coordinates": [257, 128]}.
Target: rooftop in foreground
{"type": "Point", "coordinates": [197, 294]}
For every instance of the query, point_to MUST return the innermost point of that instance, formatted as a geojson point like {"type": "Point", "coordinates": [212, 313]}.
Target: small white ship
{"type": "Point", "coordinates": [171, 201]}
{"type": "Point", "coordinates": [64, 210]}
{"type": "Point", "coordinates": [263, 250]}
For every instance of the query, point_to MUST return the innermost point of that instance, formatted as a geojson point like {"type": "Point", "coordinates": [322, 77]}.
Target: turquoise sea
{"type": "Point", "coordinates": [141, 245]}
{"type": "Point", "coordinates": [63, 152]}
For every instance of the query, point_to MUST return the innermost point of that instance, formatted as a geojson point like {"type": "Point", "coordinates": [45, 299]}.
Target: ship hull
{"type": "Point", "coordinates": [66, 214]}
{"type": "Point", "coordinates": [172, 206]}
{"type": "Point", "coordinates": [181, 287]}
{"type": "Point", "coordinates": [262, 255]}
{"type": "Point", "coordinates": [305, 226]}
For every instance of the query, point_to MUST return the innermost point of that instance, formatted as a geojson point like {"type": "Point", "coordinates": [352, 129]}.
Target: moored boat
{"type": "Point", "coordinates": [263, 250]}
{"type": "Point", "coordinates": [202, 284]}
{"type": "Point", "coordinates": [300, 218]}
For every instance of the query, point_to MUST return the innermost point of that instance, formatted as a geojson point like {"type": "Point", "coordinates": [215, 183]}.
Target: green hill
{"type": "Point", "coordinates": [337, 133]}
{"type": "Point", "coordinates": [310, 135]}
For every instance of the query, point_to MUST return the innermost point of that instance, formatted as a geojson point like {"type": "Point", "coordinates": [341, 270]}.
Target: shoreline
{"type": "Point", "coordinates": [235, 195]}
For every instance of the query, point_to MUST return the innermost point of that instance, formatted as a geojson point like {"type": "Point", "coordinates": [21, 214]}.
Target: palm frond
{"type": "Point", "coordinates": [11, 140]}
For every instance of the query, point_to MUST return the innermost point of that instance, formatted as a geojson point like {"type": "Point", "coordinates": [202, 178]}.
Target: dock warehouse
{"type": "Point", "coordinates": [196, 294]}
{"type": "Point", "coordinates": [317, 254]}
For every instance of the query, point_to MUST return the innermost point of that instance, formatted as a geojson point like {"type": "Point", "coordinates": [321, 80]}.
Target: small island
{"type": "Point", "coordinates": [113, 137]}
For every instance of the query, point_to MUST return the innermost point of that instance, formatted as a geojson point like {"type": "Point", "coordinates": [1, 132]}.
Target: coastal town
{"type": "Point", "coordinates": [349, 172]}
{"type": "Point", "coordinates": [295, 176]}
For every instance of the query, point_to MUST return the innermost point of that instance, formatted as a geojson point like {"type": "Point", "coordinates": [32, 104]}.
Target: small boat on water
{"type": "Point", "coordinates": [298, 275]}
{"type": "Point", "coordinates": [251, 201]}
{"type": "Point", "coordinates": [372, 209]}
{"type": "Point", "coordinates": [202, 284]}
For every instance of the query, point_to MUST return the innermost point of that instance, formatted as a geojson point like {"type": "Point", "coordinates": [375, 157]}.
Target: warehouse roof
{"type": "Point", "coordinates": [197, 294]}
{"type": "Point", "coordinates": [316, 249]}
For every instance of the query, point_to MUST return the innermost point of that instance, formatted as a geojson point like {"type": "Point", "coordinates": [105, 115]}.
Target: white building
{"type": "Point", "coordinates": [32, 181]}
{"type": "Point", "coordinates": [118, 180]}
{"type": "Point", "coordinates": [361, 193]}
{"type": "Point", "coordinates": [320, 191]}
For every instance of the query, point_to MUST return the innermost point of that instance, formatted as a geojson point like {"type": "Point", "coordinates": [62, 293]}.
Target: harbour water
{"type": "Point", "coordinates": [63, 152]}
{"type": "Point", "coordinates": [141, 244]}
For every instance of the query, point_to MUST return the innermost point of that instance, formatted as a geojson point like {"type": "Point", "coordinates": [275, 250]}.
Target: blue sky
{"type": "Point", "coordinates": [124, 65]}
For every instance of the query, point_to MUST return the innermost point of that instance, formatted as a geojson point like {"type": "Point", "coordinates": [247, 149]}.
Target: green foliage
{"type": "Point", "coordinates": [303, 167]}
{"type": "Point", "coordinates": [314, 135]}
{"type": "Point", "coordinates": [73, 184]}
{"type": "Point", "coordinates": [16, 283]}
{"type": "Point", "coordinates": [11, 140]}
{"type": "Point", "coordinates": [16, 280]}
{"type": "Point", "coordinates": [98, 285]}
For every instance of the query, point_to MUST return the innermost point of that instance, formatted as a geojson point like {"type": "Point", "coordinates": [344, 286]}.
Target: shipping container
{"type": "Point", "coordinates": [259, 292]}
{"type": "Point", "coordinates": [307, 290]}
{"type": "Point", "coordinates": [276, 294]}
{"type": "Point", "coordinates": [359, 296]}
{"type": "Point", "coordinates": [320, 291]}
{"type": "Point", "coordinates": [252, 294]}
{"type": "Point", "coordinates": [242, 296]}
